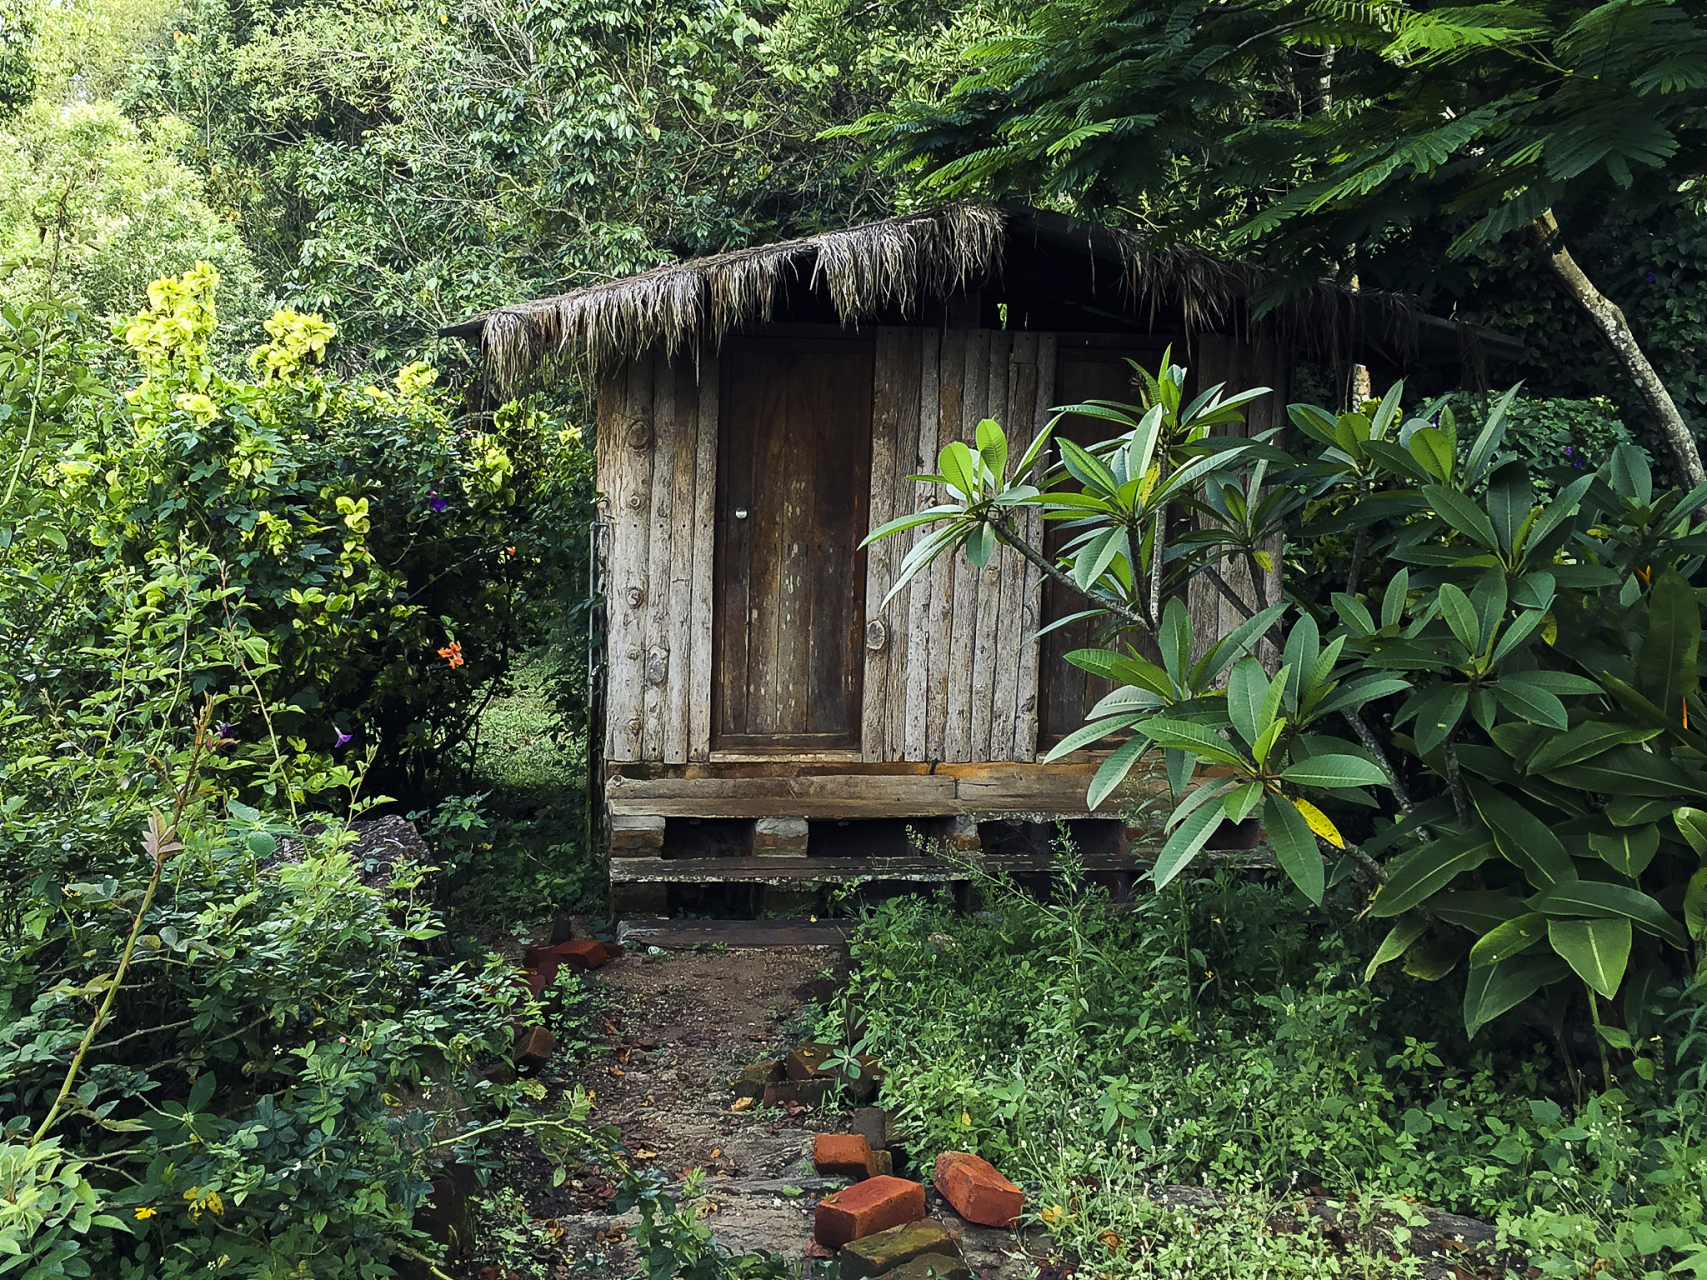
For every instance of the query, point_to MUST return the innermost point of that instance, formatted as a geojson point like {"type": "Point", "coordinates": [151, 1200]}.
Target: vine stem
{"type": "Point", "coordinates": [1599, 1038]}
{"type": "Point", "coordinates": [161, 838]}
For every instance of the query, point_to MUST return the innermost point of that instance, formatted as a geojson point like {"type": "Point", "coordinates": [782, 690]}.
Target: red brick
{"type": "Point", "coordinates": [977, 1192]}
{"type": "Point", "coordinates": [589, 955]}
{"type": "Point", "coordinates": [535, 1048]}
{"type": "Point", "coordinates": [866, 1208]}
{"type": "Point", "coordinates": [537, 981]}
{"type": "Point", "coordinates": [846, 1155]}
{"type": "Point", "coordinates": [806, 1061]}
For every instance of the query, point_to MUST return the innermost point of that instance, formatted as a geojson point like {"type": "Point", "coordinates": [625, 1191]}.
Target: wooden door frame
{"type": "Point", "coordinates": [724, 745]}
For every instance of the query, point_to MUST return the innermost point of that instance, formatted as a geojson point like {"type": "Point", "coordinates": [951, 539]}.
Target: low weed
{"type": "Point", "coordinates": [1218, 1034]}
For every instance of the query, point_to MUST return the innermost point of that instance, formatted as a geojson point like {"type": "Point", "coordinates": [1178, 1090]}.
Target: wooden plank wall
{"type": "Point", "coordinates": [1240, 366]}
{"type": "Point", "coordinates": [657, 451]}
{"type": "Point", "coordinates": [951, 669]}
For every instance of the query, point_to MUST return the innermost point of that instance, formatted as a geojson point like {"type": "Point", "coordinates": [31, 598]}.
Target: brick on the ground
{"type": "Point", "coordinates": [846, 1155]}
{"type": "Point", "coordinates": [930, 1267]}
{"type": "Point", "coordinates": [751, 1080]}
{"type": "Point", "coordinates": [871, 1123]}
{"type": "Point", "coordinates": [534, 1048]}
{"type": "Point", "coordinates": [885, 1162]}
{"type": "Point", "coordinates": [886, 1250]}
{"type": "Point", "coordinates": [866, 1208]}
{"type": "Point", "coordinates": [806, 1062]}
{"type": "Point", "coordinates": [809, 1093]}
{"type": "Point", "coordinates": [978, 1192]}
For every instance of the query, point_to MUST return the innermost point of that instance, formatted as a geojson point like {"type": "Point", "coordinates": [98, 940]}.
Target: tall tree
{"type": "Point", "coordinates": [1321, 135]}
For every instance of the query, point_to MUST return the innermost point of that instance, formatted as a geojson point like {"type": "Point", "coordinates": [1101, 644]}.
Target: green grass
{"type": "Point", "coordinates": [532, 859]}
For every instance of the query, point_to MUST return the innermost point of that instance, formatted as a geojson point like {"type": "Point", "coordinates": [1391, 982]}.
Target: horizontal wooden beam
{"type": "Point", "coordinates": [1014, 791]}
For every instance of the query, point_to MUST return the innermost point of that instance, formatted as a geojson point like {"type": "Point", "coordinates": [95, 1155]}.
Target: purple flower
{"type": "Point", "coordinates": [1649, 276]}
{"type": "Point", "coordinates": [1569, 451]}
{"type": "Point", "coordinates": [342, 739]}
{"type": "Point", "coordinates": [437, 503]}
{"type": "Point", "coordinates": [222, 730]}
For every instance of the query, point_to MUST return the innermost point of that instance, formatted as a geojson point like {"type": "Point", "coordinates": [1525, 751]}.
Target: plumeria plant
{"type": "Point", "coordinates": [1526, 810]}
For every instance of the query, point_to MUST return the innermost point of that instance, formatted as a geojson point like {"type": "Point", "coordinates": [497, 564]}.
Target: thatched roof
{"type": "Point", "coordinates": [893, 265]}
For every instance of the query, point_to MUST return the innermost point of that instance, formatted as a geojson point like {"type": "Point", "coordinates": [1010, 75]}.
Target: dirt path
{"type": "Point", "coordinates": [677, 1026]}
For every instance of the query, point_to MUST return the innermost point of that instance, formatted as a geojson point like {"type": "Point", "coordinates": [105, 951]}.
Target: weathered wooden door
{"type": "Point", "coordinates": [793, 481]}
{"type": "Point", "coordinates": [1087, 368]}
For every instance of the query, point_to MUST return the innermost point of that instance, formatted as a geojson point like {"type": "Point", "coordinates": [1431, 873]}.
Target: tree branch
{"type": "Point", "coordinates": [1042, 564]}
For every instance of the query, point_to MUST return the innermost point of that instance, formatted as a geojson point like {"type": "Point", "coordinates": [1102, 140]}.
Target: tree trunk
{"type": "Point", "coordinates": [1616, 330]}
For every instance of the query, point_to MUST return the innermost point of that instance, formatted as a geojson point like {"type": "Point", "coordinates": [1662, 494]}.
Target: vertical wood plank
{"type": "Point", "coordinates": [703, 605]}
{"type": "Point", "coordinates": [896, 616]}
{"type": "Point", "coordinates": [879, 661]}
{"type": "Point", "coordinates": [656, 609]}
{"type": "Point", "coordinates": [631, 522]}
{"type": "Point", "coordinates": [1017, 420]}
{"type": "Point", "coordinates": [1031, 592]}
{"type": "Point", "coordinates": [678, 612]}
{"type": "Point", "coordinates": [1217, 361]}
{"type": "Point", "coordinates": [985, 656]}
{"type": "Point", "coordinates": [920, 600]}
{"type": "Point", "coordinates": [963, 622]}
{"type": "Point", "coordinates": [951, 383]}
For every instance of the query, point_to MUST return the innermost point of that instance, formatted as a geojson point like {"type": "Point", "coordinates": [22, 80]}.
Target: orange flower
{"type": "Point", "coordinates": [452, 653]}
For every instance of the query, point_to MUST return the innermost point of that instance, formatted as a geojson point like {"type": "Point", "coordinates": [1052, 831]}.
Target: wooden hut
{"type": "Point", "coordinates": [768, 719]}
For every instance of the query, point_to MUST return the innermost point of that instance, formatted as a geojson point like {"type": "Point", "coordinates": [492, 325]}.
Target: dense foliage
{"type": "Point", "coordinates": [1543, 825]}
{"type": "Point", "coordinates": [1213, 1035]}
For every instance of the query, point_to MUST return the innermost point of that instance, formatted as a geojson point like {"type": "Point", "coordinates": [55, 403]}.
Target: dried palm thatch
{"type": "Point", "coordinates": [892, 264]}
{"type": "Point", "coordinates": [864, 269]}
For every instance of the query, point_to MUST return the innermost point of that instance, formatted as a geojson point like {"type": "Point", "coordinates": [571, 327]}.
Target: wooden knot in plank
{"type": "Point", "coordinates": [636, 596]}
{"type": "Point", "coordinates": [657, 665]}
{"type": "Point", "coordinates": [640, 435]}
{"type": "Point", "coordinates": [877, 635]}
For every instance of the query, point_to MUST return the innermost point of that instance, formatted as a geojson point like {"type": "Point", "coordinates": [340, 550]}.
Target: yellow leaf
{"type": "Point", "coordinates": [1320, 823]}
{"type": "Point", "coordinates": [1052, 1215]}
{"type": "Point", "coordinates": [965, 1119]}
{"type": "Point", "coordinates": [1549, 628]}
{"type": "Point", "coordinates": [741, 1104]}
{"type": "Point", "coordinates": [1263, 559]}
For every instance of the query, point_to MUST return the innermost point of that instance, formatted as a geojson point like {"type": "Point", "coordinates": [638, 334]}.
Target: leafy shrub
{"type": "Point", "coordinates": [223, 1044]}
{"type": "Point", "coordinates": [1213, 1034]}
{"type": "Point", "coordinates": [1528, 667]}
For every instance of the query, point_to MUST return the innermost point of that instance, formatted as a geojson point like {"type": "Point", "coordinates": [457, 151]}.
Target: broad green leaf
{"type": "Point", "coordinates": [1183, 845]}
{"type": "Point", "coordinates": [1627, 850]}
{"type": "Point", "coordinates": [1425, 870]}
{"type": "Point", "coordinates": [1393, 600]}
{"type": "Point", "coordinates": [1096, 731]}
{"type": "Point", "coordinates": [1432, 961]}
{"type": "Point", "coordinates": [1357, 693]}
{"type": "Point", "coordinates": [1524, 700]}
{"type": "Point", "coordinates": [1462, 514]}
{"type": "Point", "coordinates": [1695, 905]}
{"type": "Point", "coordinates": [1184, 735]}
{"type": "Point", "coordinates": [1227, 650]}
{"type": "Point", "coordinates": [1493, 431]}
{"type": "Point", "coordinates": [1510, 499]}
{"type": "Point", "coordinates": [1522, 627]}
{"type": "Point", "coordinates": [1396, 943]}
{"type": "Point", "coordinates": [1455, 607]}
{"type": "Point", "coordinates": [1355, 614]}
{"type": "Point", "coordinates": [1625, 772]}
{"type": "Point", "coordinates": [1508, 938]}
{"type": "Point", "coordinates": [1438, 715]}
{"type": "Point", "coordinates": [1666, 667]}
{"type": "Point", "coordinates": [1085, 467]}
{"type": "Point", "coordinates": [1295, 847]}
{"type": "Point", "coordinates": [1478, 910]}
{"type": "Point", "coordinates": [1430, 448]}
{"type": "Point", "coordinates": [1584, 742]}
{"type": "Point", "coordinates": [1332, 770]}
{"type": "Point", "coordinates": [1523, 839]}
{"type": "Point", "coordinates": [993, 447]}
{"type": "Point", "coordinates": [1598, 950]}
{"type": "Point", "coordinates": [1247, 688]}
{"type": "Point", "coordinates": [959, 467]}
{"type": "Point", "coordinates": [1239, 802]}
{"type": "Point", "coordinates": [1492, 991]}
{"type": "Point", "coordinates": [1112, 771]}
{"type": "Point", "coordinates": [1692, 825]}
{"type": "Point", "coordinates": [1558, 511]}
{"type": "Point", "coordinates": [1599, 898]}
{"type": "Point", "coordinates": [981, 545]}
{"type": "Point", "coordinates": [1630, 476]}
{"type": "Point", "coordinates": [1488, 599]}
